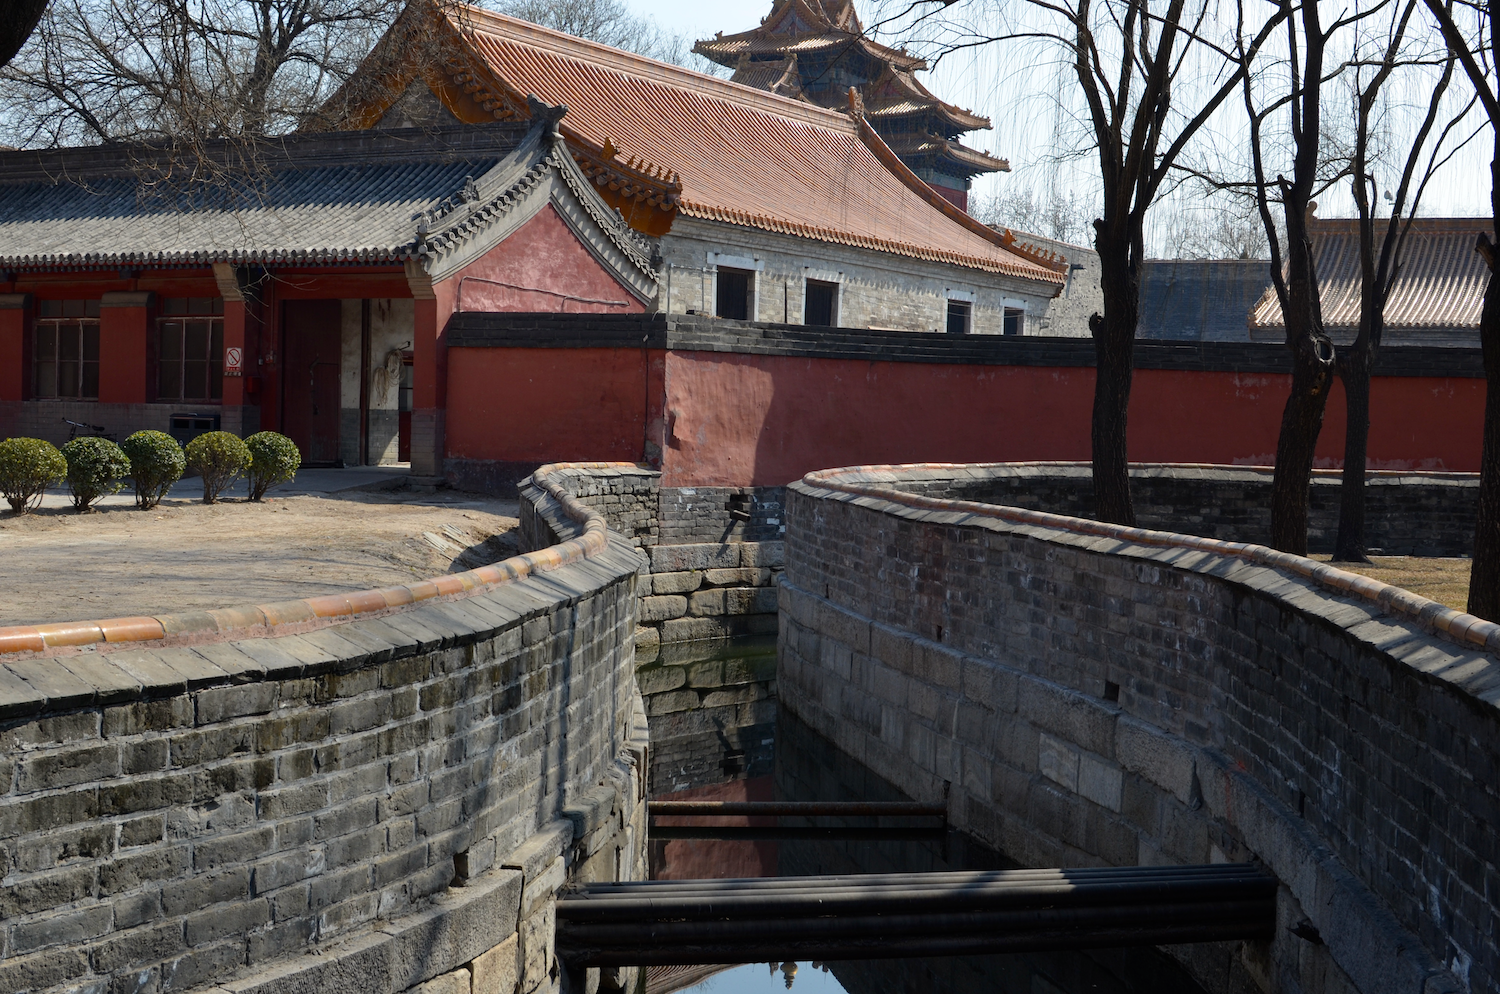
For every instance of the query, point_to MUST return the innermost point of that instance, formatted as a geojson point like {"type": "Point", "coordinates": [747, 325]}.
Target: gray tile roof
{"type": "Point", "coordinates": [349, 197]}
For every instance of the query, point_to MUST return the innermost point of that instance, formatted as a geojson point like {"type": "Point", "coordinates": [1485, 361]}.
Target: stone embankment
{"type": "Point", "coordinates": [1086, 694]}
{"type": "Point", "coordinates": [376, 792]}
{"type": "Point", "coordinates": [712, 553]}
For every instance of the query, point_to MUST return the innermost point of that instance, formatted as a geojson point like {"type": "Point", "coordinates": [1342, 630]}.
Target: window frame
{"type": "Point", "coordinates": [181, 312]}
{"type": "Point", "coordinates": [54, 316]}
{"type": "Point", "coordinates": [750, 289]}
{"type": "Point", "coordinates": [1013, 321]}
{"type": "Point", "coordinates": [835, 292]}
{"type": "Point", "coordinates": [964, 311]}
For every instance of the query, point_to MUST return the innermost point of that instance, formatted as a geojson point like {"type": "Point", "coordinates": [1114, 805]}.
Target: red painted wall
{"type": "Point", "coordinates": [122, 354]}
{"type": "Point", "coordinates": [541, 267]}
{"type": "Point", "coordinates": [737, 420]}
{"type": "Point", "coordinates": [544, 405]}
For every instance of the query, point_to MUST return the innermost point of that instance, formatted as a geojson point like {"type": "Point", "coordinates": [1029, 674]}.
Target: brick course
{"type": "Point", "coordinates": [1085, 698]}
{"type": "Point", "coordinates": [357, 792]}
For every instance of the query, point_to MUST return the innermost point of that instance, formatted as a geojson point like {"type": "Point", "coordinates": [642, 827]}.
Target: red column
{"type": "Point", "coordinates": [124, 318]}
{"type": "Point", "coordinates": [14, 308]}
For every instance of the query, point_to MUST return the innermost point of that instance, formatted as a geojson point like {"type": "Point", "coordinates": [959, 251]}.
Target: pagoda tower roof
{"type": "Point", "coordinates": [796, 52]}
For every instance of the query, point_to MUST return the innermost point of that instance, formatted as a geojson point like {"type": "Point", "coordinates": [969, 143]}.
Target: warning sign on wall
{"type": "Point", "coordinates": [233, 358]}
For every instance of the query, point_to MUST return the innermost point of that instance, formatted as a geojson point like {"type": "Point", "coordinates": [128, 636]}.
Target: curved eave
{"type": "Point", "coordinates": [197, 258]}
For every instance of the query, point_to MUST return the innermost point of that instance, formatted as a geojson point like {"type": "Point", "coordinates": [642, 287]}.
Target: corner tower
{"type": "Point", "coordinates": [816, 50]}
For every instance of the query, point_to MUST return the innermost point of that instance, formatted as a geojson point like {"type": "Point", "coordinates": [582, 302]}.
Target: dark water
{"type": "Point", "coordinates": [736, 744]}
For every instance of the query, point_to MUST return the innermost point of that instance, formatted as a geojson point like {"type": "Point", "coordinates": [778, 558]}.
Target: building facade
{"type": "Point", "coordinates": [303, 286]}
{"type": "Point", "coordinates": [763, 207]}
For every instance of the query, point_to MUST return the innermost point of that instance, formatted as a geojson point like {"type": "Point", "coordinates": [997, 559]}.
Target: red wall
{"type": "Point", "coordinates": [738, 420]}
{"type": "Point", "coordinates": [544, 405]}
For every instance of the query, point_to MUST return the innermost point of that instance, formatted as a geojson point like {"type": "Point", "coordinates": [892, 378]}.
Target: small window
{"type": "Point", "coordinates": [734, 293]}
{"type": "Point", "coordinates": [1015, 321]}
{"type": "Point", "coordinates": [65, 350]}
{"type": "Point", "coordinates": [190, 359]}
{"type": "Point", "coordinates": [192, 305]}
{"type": "Point", "coordinates": [819, 306]}
{"type": "Point", "coordinates": [958, 317]}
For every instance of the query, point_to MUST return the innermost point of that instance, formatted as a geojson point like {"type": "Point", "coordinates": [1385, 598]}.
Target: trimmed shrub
{"type": "Point", "coordinates": [220, 458]}
{"type": "Point", "coordinates": [28, 466]}
{"type": "Point", "coordinates": [96, 468]}
{"type": "Point", "coordinates": [273, 459]}
{"type": "Point", "coordinates": [156, 462]}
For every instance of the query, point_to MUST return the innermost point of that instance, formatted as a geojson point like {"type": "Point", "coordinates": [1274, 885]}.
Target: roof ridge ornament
{"type": "Point", "coordinates": [1054, 261]}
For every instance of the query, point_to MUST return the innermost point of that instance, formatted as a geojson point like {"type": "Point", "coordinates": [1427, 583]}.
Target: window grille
{"type": "Point", "coordinates": [190, 349]}
{"type": "Point", "coordinates": [65, 350]}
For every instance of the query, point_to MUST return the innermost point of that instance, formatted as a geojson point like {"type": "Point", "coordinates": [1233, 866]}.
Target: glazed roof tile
{"type": "Point", "coordinates": [1441, 283]}
{"type": "Point", "coordinates": [743, 156]}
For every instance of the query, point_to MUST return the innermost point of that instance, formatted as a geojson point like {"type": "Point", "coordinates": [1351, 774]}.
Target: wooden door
{"type": "Point", "coordinates": [310, 374]}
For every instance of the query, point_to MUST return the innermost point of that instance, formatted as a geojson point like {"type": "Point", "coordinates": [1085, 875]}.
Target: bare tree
{"type": "Point", "coordinates": [1066, 219]}
{"type": "Point", "coordinates": [1477, 51]}
{"type": "Point", "coordinates": [1134, 63]}
{"type": "Point", "coordinates": [610, 22]}
{"type": "Point", "coordinates": [169, 70]}
{"type": "Point", "coordinates": [1293, 271]}
{"type": "Point", "coordinates": [1380, 251]}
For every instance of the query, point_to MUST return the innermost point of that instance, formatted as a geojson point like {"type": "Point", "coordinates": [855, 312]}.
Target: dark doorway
{"type": "Point", "coordinates": [819, 306]}
{"type": "Point", "coordinates": [310, 402]}
{"type": "Point", "coordinates": [734, 294]}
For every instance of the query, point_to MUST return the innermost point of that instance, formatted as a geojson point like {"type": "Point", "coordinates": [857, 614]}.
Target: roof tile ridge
{"type": "Point", "coordinates": [561, 43]}
{"type": "Point", "coordinates": [903, 172]}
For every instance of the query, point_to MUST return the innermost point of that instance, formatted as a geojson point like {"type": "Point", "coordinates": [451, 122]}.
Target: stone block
{"type": "Point", "coordinates": [538, 969]}
{"type": "Point", "coordinates": [766, 554]}
{"type": "Point", "coordinates": [1068, 714]}
{"type": "Point", "coordinates": [1157, 757]}
{"type": "Point", "coordinates": [671, 702]}
{"type": "Point", "coordinates": [663, 608]}
{"type": "Point", "coordinates": [456, 982]}
{"type": "Point", "coordinates": [498, 971]}
{"type": "Point", "coordinates": [677, 558]}
{"type": "Point", "coordinates": [660, 679]}
{"type": "Point", "coordinates": [67, 767]}
{"type": "Point", "coordinates": [1100, 781]}
{"type": "Point", "coordinates": [1058, 761]}
{"type": "Point", "coordinates": [742, 577]}
{"type": "Point", "coordinates": [706, 604]}
{"type": "Point", "coordinates": [751, 600]}
{"type": "Point", "coordinates": [676, 583]}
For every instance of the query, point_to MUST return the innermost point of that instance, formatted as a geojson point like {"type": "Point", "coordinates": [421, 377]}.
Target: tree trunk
{"type": "Point", "coordinates": [1355, 368]}
{"type": "Point", "coordinates": [1114, 353]}
{"type": "Point", "coordinates": [1301, 422]}
{"type": "Point", "coordinates": [1484, 578]}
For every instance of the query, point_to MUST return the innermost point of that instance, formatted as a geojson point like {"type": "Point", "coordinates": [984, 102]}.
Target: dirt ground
{"type": "Point", "coordinates": [1443, 580]}
{"type": "Point", "coordinates": [56, 565]}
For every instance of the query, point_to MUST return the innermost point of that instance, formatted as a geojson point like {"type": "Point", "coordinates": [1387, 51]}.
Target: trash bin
{"type": "Point", "coordinates": [186, 427]}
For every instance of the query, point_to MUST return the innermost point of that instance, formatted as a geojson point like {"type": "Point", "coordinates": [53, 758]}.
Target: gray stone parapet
{"type": "Point", "coordinates": [1084, 693]}
{"type": "Point", "coordinates": [385, 803]}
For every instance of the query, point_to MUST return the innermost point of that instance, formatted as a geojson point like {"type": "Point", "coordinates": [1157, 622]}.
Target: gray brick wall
{"type": "Point", "coordinates": [712, 555]}
{"type": "Point", "coordinates": [399, 786]}
{"type": "Point", "coordinates": [1083, 700]}
{"type": "Point", "coordinates": [1407, 514]}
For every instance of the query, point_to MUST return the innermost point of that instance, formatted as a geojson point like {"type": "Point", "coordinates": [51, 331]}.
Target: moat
{"type": "Point", "coordinates": [717, 733]}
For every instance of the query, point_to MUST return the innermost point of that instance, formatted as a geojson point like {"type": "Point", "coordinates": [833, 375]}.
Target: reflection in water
{"type": "Point", "coordinates": [755, 978]}
{"type": "Point", "coordinates": [709, 756]}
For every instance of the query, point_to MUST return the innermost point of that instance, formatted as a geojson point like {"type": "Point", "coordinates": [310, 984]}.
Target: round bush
{"type": "Point", "coordinates": [156, 462]}
{"type": "Point", "coordinates": [96, 467]}
{"type": "Point", "coordinates": [28, 466]}
{"type": "Point", "coordinates": [273, 459]}
{"type": "Point", "coordinates": [220, 458]}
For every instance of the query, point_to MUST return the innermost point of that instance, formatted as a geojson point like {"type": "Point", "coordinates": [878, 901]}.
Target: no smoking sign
{"type": "Point", "coordinates": [233, 361]}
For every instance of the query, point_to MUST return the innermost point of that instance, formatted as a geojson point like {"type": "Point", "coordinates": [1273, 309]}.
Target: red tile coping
{"type": "Point", "coordinates": [295, 616]}
{"type": "Point", "coordinates": [1463, 628]}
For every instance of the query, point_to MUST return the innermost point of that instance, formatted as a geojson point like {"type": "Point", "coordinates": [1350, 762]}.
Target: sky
{"type": "Point", "coordinates": [756, 978]}
{"type": "Point", "coordinates": [1032, 128]}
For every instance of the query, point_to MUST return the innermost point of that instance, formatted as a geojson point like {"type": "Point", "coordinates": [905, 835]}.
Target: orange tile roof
{"type": "Point", "coordinates": [1441, 283]}
{"type": "Point", "coordinates": [743, 156]}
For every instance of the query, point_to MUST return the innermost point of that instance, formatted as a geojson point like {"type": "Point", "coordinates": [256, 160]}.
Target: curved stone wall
{"type": "Point", "coordinates": [377, 801]}
{"type": "Point", "coordinates": [1085, 693]}
{"type": "Point", "coordinates": [1407, 513]}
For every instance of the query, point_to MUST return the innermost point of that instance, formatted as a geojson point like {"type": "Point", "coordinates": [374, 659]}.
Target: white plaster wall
{"type": "Point", "coordinates": [391, 322]}
{"type": "Point", "coordinates": [877, 289]}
